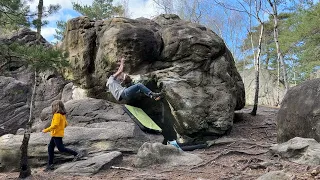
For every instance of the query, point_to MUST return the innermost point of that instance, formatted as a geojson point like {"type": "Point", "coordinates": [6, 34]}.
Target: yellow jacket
{"type": "Point", "coordinates": [58, 123]}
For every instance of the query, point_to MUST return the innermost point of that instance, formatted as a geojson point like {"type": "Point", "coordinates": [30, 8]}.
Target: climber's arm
{"type": "Point", "coordinates": [120, 70]}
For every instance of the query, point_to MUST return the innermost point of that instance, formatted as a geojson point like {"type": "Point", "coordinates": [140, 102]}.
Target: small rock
{"type": "Point", "coordinates": [20, 131]}
{"type": "Point", "coordinates": [91, 165]}
{"type": "Point", "coordinates": [314, 172]}
{"type": "Point", "coordinates": [157, 153]}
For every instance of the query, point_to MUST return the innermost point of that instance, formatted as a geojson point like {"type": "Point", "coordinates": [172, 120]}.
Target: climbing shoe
{"type": "Point", "coordinates": [156, 96]}
{"type": "Point", "coordinates": [175, 144]}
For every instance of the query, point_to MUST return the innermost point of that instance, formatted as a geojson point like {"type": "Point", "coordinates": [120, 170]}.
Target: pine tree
{"type": "Point", "coordinates": [13, 14]}
{"type": "Point", "coordinates": [301, 37]}
{"type": "Point", "coordinates": [61, 27]}
{"type": "Point", "coordinates": [39, 58]}
{"type": "Point", "coordinates": [100, 9]}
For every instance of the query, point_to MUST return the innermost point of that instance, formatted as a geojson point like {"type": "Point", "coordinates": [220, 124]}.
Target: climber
{"type": "Point", "coordinates": [116, 84]}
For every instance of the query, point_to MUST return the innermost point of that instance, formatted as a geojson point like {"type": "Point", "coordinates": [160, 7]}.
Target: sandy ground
{"type": "Point", "coordinates": [241, 159]}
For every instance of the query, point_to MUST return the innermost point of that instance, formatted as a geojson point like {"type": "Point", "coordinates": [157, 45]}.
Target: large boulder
{"type": "Point", "coordinates": [124, 137]}
{"type": "Point", "coordinates": [14, 110]}
{"type": "Point", "coordinates": [299, 114]}
{"type": "Point", "coordinates": [86, 113]}
{"type": "Point", "coordinates": [186, 60]}
{"type": "Point", "coordinates": [15, 95]}
{"type": "Point", "coordinates": [81, 44]}
{"type": "Point", "coordinates": [94, 125]}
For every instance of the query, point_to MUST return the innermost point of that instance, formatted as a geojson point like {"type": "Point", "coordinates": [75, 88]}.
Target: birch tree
{"type": "Point", "coordinates": [273, 4]}
{"type": "Point", "coordinates": [257, 63]}
{"type": "Point", "coordinates": [256, 13]}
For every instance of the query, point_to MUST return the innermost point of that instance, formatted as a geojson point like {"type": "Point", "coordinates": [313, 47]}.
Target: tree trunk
{"type": "Point", "coordinates": [251, 38]}
{"type": "Point", "coordinates": [257, 71]}
{"type": "Point", "coordinates": [280, 56]}
{"type": "Point", "coordinates": [294, 70]}
{"type": "Point", "coordinates": [276, 40]}
{"type": "Point", "coordinates": [267, 60]}
{"type": "Point", "coordinates": [254, 52]}
{"type": "Point", "coordinates": [39, 23]}
{"type": "Point", "coordinates": [25, 170]}
{"type": "Point", "coordinates": [278, 84]}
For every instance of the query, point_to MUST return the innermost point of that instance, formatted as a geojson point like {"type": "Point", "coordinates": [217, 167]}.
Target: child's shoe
{"type": "Point", "coordinates": [49, 168]}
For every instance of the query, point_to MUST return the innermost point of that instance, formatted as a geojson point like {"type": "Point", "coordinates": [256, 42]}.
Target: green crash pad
{"type": "Point", "coordinates": [142, 119]}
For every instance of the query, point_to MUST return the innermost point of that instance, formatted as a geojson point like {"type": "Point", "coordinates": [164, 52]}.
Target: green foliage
{"type": "Point", "coordinates": [299, 37]}
{"type": "Point", "coordinates": [13, 14]}
{"type": "Point", "coordinates": [39, 57]}
{"type": "Point", "coordinates": [61, 27]}
{"type": "Point", "coordinates": [51, 9]}
{"type": "Point", "coordinates": [13, 56]}
{"type": "Point", "coordinates": [100, 9]}
{"type": "Point", "coordinates": [269, 53]}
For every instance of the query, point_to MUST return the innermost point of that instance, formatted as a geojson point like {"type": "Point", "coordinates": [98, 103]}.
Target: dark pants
{"type": "Point", "coordinates": [135, 90]}
{"type": "Point", "coordinates": [57, 141]}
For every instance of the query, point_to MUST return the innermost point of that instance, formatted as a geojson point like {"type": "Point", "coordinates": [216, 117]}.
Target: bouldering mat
{"type": "Point", "coordinates": [145, 123]}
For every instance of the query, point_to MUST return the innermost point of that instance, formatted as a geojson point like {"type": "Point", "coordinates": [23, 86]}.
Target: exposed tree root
{"type": "Point", "coordinates": [229, 152]}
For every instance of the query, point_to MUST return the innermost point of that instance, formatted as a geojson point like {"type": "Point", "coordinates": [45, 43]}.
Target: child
{"type": "Point", "coordinates": [127, 93]}
{"type": "Point", "coordinates": [58, 123]}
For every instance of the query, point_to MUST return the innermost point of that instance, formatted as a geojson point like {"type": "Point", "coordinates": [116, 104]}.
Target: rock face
{"type": "Point", "coordinates": [187, 61]}
{"type": "Point", "coordinates": [14, 110]}
{"type": "Point", "coordinates": [72, 92]}
{"type": "Point", "coordinates": [299, 114]}
{"type": "Point", "coordinates": [16, 90]}
{"type": "Point", "coordinates": [268, 91]}
{"type": "Point", "coordinates": [94, 126]}
{"type": "Point", "coordinates": [87, 113]}
{"type": "Point", "coordinates": [97, 126]}
{"type": "Point", "coordinates": [15, 97]}
{"type": "Point", "coordinates": [24, 36]}
{"type": "Point", "coordinates": [49, 89]}
{"type": "Point", "coordinates": [299, 150]}
{"type": "Point", "coordinates": [92, 165]}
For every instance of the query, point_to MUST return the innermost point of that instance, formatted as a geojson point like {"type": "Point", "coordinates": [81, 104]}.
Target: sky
{"type": "Point", "coordinates": [137, 8]}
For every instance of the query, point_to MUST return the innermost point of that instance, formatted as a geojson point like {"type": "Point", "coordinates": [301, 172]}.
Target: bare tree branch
{"type": "Point", "coordinates": [229, 7]}
{"type": "Point", "coordinates": [244, 10]}
{"type": "Point", "coordinates": [165, 5]}
{"type": "Point", "coordinates": [200, 12]}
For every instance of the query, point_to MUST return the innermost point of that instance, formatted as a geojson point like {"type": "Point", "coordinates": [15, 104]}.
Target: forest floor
{"type": "Point", "coordinates": [245, 157]}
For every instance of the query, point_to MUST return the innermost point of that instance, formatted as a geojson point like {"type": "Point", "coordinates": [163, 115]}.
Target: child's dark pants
{"type": "Point", "coordinates": [57, 141]}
